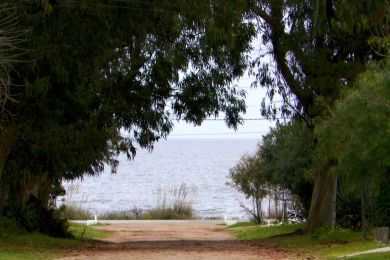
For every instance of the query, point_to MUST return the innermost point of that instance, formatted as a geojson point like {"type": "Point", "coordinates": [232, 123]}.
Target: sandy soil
{"type": "Point", "coordinates": [187, 240]}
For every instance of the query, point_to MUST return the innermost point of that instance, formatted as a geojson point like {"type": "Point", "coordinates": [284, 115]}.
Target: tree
{"type": "Point", "coordinates": [99, 68]}
{"type": "Point", "coordinates": [317, 50]}
{"type": "Point", "coordinates": [357, 134]}
{"type": "Point", "coordinates": [10, 39]}
{"type": "Point", "coordinates": [279, 165]}
{"type": "Point", "coordinates": [247, 177]}
{"type": "Point", "coordinates": [287, 154]}
{"type": "Point", "coordinates": [10, 52]}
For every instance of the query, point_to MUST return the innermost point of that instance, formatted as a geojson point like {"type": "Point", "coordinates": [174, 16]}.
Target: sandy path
{"type": "Point", "coordinates": [178, 240]}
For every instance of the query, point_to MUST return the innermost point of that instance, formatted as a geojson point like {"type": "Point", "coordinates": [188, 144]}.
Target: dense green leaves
{"type": "Point", "coordinates": [318, 49]}
{"type": "Point", "coordinates": [314, 50]}
{"type": "Point", "coordinates": [248, 177]}
{"type": "Point", "coordinates": [103, 77]}
{"type": "Point", "coordinates": [287, 155]}
{"type": "Point", "coordinates": [358, 131]}
{"type": "Point", "coordinates": [100, 67]}
{"type": "Point", "coordinates": [280, 164]}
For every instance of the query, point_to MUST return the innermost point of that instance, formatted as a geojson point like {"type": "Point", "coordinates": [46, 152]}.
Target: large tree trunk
{"type": "Point", "coordinates": [323, 204]}
{"type": "Point", "coordinates": [7, 139]}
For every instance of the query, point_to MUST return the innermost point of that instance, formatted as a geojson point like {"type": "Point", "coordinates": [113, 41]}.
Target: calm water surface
{"type": "Point", "coordinates": [202, 163]}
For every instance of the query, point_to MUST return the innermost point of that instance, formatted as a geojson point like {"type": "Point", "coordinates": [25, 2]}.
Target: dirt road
{"type": "Point", "coordinates": [173, 240]}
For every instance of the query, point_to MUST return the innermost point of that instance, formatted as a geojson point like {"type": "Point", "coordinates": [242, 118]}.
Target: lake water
{"type": "Point", "coordinates": [200, 163]}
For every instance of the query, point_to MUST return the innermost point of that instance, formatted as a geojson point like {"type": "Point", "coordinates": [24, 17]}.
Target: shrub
{"type": "Point", "coordinates": [172, 203]}
{"type": "Point", "coordinates": [75, 213]}
{"type": "Point", "coordinates": [246, 178]}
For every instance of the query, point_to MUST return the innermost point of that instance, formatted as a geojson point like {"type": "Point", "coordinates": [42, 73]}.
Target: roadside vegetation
{"type": "Point", "coordinates": [81, 83]}
{"type": "Point", "coordinates": [325, 243]}
{"type": "Point", "coordinates": [358, 147]}
{"type": "Point", "coordinates": [163, 213]}
{"type": "Point", "coordinates": [18, 244]}
{"type": "Point", "coordinates": [171, 203]}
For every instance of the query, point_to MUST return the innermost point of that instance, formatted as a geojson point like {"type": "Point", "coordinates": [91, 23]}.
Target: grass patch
{"type": "Point", "coordinates": [172, 203]}
{"type": "Point", "coordinates": [6, 254]}
{"type": "Point", "coordinates": [262, 232]}
{"type": "Point", "coordinates": [38, 240]}
{"type": "Point", "coordinates": [324, 244]}
{"type": "Point", "coordinates": [40, 246]}
{"type": "Point", "coordinates": [87, 232]}
{"type": "Point", "coordinates": [181, 211]}
{"type": "Point", "coordinates": [373, 256]}
{"type": "Point", "coordinates": [33, 246]}
{"type": "Point", "coordinates": [243, 224]}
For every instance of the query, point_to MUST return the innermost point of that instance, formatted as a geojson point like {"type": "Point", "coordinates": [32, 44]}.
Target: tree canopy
{"type": "Point", "coordinates": [97, 69]}
{"type": "Point", "coordinates": [98, 78]}
{"type": "Point", "coordinates": [357, 134]}
{"type": "Point", "coordinates": [317, 50]}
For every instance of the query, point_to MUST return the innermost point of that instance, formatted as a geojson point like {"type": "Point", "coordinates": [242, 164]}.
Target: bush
{"type": "Point", "coordinates": [32, 216]}
{"type": "Point", "coordinates": [9, 226]}
{"type": "Point", "coordinates": [133, 214]}
{"type": "Point", "coordinates": [172, 203]}
{"type": "Point", "coordinates": [74, 213]}
{"type": "Point", "coordinates": [181, 212]}
{"type": "Point", "coordinates": [246, 178]}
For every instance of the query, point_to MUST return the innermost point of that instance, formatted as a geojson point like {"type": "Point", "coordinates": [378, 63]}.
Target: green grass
{"type": "Point", "coordinates": [243, 224]}
{"type": "Point", "coordinates": [41, 246]}
{"type": "Point", "coordinates": [6, 254]}
{"type": "Point", "coordinates": [180, 211]}
{"type": "Point", "coordinates": [262, 232]}
{"type": "Point", "coordinates": [172, 203]}
{"type": "Point", "coordinates": [87, 232]}
{"type": "Point", "coordinates": [373, 256]}
{"type": "Point", "coordinates": [325, 243]}
{"type": "Point", "coordinates": [33, 246]}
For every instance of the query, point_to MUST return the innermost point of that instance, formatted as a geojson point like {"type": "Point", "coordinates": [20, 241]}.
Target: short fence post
{"type": "Point", "coordinates": [381, 234]}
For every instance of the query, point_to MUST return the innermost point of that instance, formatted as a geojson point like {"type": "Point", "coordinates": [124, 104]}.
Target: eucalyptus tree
{"type": "Point", "coordinates": [357, 134]}
{"type": "Point", "coordinates": [317, 48]}
{"type": "Point", "coordinates": [99, 69]}
{"type": "Point", "coordinates": [10, 52]}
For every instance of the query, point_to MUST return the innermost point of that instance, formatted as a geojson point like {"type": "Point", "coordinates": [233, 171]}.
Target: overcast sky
{"type": "Point", "coordinates": [218, 129]}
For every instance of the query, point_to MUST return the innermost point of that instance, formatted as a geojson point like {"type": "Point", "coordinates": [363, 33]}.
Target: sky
{"type": "Point", "coordinates": [218, 129]}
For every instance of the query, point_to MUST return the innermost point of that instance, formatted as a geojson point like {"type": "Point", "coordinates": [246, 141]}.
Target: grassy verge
{"type": "Point", "coordinates": [39, 246]}
{"type": "Point", "coordinates": [87, 232]}
{"type": "Point", "coordinates": [243, 224]}
{"type": "Point", "coordinates": [326, 243]}
{"type": "Point", "coordinates": [172, 203]}
{"type": "Point", "coordinates": [372, 256]}
{"type": "Point", "coordinates": [182, 211]}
